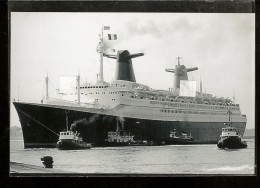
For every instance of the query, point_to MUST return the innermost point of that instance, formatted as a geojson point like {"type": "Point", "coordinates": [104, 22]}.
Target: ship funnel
{"type": "Point", "coordinates": [124, 67]}
{"type": "Point", "coordinates": [180, 73]}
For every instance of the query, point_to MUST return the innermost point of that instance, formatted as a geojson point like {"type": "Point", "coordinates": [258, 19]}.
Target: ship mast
{"type": "Point", "coordinates": [47, 87]}
{"type": "Point", "coordinates": [100, 51]}
{"type": "Point", "coordinates": [78, 87]}
{"type": "Point", "coordinates": [229, 122]}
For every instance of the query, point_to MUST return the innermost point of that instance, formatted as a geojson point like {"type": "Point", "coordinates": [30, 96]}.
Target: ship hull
{"type": "Point", "coordinates": [41, 124]}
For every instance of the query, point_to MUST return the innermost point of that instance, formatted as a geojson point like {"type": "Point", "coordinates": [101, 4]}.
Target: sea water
{"type": "Point", "coordinates": [170, 160]}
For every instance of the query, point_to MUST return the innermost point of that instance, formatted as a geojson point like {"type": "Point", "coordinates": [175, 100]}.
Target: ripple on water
{"type": "Point", "coordinates": [173, 159]}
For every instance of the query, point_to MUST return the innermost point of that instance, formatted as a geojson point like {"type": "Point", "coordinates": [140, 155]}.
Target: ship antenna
{"type": "Point", "coordinates": [178, 60]}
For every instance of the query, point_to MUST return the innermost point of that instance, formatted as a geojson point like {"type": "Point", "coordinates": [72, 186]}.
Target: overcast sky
{"type": "Point", "coordinates": [221, 46]}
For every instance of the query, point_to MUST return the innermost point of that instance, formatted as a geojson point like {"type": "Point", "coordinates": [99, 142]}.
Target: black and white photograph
{"type": "Point", "coordinates": [132, 93]}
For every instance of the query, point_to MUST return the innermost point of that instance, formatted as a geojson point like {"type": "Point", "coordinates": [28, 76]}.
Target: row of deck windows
{"type": "Point", "coordinates": [66, 133]}
{"type": "Point", "coordinates": [195, 106]}
{"type": "Point", "coordinates": [102, 93]}
{"type": "Point", "coordinates": [190, 112]}
{"type": "Point", "coordinates": [93, 87]}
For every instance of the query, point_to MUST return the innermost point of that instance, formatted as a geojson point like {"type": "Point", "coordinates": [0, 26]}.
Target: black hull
{"type": "Point", "coordinates": [118, 144]}
{"type": "Point", "coordinates": [113, 144]}
{"type": "Point", "coordinates": [231, 143]}
{"type": "Point", "coordinates": [70, 145]}
{"type": "Point", "coordinates": [180, 141]}
{"type": "Point", "coordinates": [93, 127]}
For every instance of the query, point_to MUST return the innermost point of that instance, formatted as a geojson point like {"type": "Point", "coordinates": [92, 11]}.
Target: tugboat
{"type": "Point", "coordinates": [69, 140]}
{"type": "Point", "coordinates": [122, 138]}
{"type": "Point", "coordinates": [229, 138]}
{"type": "Point", "coordinates": [119, 138]}
{"type": "Point", "coordinates": [176, 138]}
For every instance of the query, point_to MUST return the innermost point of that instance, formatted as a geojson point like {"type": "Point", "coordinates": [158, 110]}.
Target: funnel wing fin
{"type": "Point", "coordinates": [192, 69]}
{"type": "Point", "coordinates": [170, 70]}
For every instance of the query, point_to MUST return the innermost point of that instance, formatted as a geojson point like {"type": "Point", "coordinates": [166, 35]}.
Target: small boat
{"type": "Point", "coordinates": [230, 139]}
{"type": "Point", "coordinates": [119, 138]}
{"type": "Point", "coordinates": [182, 138]}
{"type": "Point", "coordinates": [69, 140]}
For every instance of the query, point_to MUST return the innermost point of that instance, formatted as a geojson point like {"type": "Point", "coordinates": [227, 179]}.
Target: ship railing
{"type": "Point", "coordinates": [184, 100]}
{"type": "Point", "coordinates": [54, 101]}
{"type": "Point", "coordinates": [194, 104]}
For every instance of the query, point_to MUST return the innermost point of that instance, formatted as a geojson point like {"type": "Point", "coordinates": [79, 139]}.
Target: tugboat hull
{"type": "Point", "coordinates": [180, 142]}
{"type": "Point", "coordinates": [231, 143]}
{"type": "Point", "coordinates": [71, 145]}
{"type": "Point", "coordinates": [113, 144]}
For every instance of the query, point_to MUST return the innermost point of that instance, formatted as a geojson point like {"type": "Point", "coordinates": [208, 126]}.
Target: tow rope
{"type": "Point", "coordinates": [39, 122]}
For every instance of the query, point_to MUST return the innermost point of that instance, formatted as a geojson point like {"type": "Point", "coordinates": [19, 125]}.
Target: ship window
{"type": "Point", "coordinates": [99, 86]}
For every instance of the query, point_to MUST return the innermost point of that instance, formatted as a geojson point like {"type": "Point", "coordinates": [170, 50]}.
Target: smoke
{"type": "Point", "coordinates": [149, 28]}
{"type": "Point", "coordinates": [122, 122]}
{"type": "Point", "coordinates": [108, 47]}
{"type": "Point", "coordinates": [95, 118]}
{"type": "Point", "coordinates": [107, 118]}
{"type": "Point", "coordinates": [84, 122]}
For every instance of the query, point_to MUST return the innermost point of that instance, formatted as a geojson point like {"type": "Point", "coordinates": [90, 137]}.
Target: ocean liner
{"type": "Point", "coordinates": [94, 109]}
